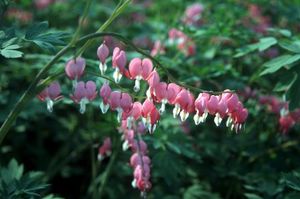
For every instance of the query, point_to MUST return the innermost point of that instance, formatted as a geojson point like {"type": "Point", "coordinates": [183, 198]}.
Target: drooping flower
{"type": "Point", "coordinates": [133, 115]}
{"type": "Point", "coordinates": [158, 48]}
{"type": "Point", "coordinates": [182, 41]}
{"type": "Point", "coordinates": [193, 14]}
{"type": "Point", "coordinates": [221, 111]}
{"type": "Point", "coordinates": [119, 60]}
{"type": "Point", "coordinates": [84, 93]}
{"type": "Point", "coordinates": [184, 104]}
{"type": "Point", "coordinates": [102, 53]}
{"type": "Point", "coordinates": [201, 108]}
{"type": "Point", "coordinates": [239, 117]}
{"type": "Point", "coordinates": [105, 149]}
{"type": "Point", "coordinates": [150, 115]}
{"type": "Point", "coordinates": [51, 94]}
{"type": "Point", "coordinates": [105, 92]}
{"type": "Point", "coordinates": [164, 93]}
{"type": "Point", "coordinates": [286, 122]}
{"type": "Point", "coordinates": [75, 68]}
{"type": "Point", "coordinates": [121, 102]}
{"type": "Point", "coordinates": [140, 69]}
{"type": "Point", "coordinates": [153, 80]}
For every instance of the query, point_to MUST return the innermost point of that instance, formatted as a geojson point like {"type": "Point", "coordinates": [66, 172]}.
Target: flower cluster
{"type": "Point", "coordinates": [221, 106]}
{"type": "Point", "coordinates": [192, 14]}
{"type": "Point", "coordinates": [286, 119]}
{"type": "Point", "coordinates": [182, 41]}
{"type": "Point", "coordinates": [192, 17]}
{"type": "Point", "coordinates": [139, 160]}
{"type": "Point", "coordinates": [136, 116]}
{"type": "Point", "coordinates": [225, 105]}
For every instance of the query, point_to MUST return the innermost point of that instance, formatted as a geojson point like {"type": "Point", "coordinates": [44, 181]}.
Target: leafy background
{"type": "Point", "coordinates": [188, 161]}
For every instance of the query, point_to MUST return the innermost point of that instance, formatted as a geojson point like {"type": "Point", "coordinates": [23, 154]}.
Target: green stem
{"type": "Point", "coordinates": [81, 21]}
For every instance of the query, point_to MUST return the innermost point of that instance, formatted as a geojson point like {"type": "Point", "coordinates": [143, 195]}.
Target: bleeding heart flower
{"type": "Point", "coordinates": [212, 104]}
{"type": "Point", "coordinates": [201, 108]}
{"type": "Point", "coordinates": [122, 102]}
{"type": "Point", "coordinates": [164, 94]}
{"type": "Point", "coordinates": [50, 94]}
{"type": "Point", "coordinates": [221, 111]}
{"type": "Point", "coordinates": [84, 93]}
{"type": "Point", "coordinates": [135, 160]}
{"type": "Point", "coordinates": [158, 48]}
{"type": "Point", "coordinates": [75, 68]}
{"type": "Point", "coordinates": [119, 60]}
{"type": "Point", "coordinates": [286, 122]}
{"type": "Point", "coordinates": [139, 146]}
{"type": "Point", "coordinates": [238, 117]}
{"type": "Point", "coordinates": [150, 114]}
{"type": "Point", "coordinates": [105, 149]}
{"type": "Point", "coordinates": [126, 102]}
{"type": "Point", "coordinates": [133, 115]}
{"type": "Point", "coordinates": [193, 14]}
{"type": "Point", "coordinates": [139, 69]}
{"type": "Point", "coordinates": [105, 92]}
{"type": "Point", "coordinates": [102, 53]}
{"type": "Point", "coordinates": [184, 104]}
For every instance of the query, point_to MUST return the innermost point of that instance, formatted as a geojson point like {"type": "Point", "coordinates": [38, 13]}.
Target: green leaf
{"type": "Point", "coordinates": [13, 47]}
{"type": "Point", "coordinates": [51, 196]}
{"type": "Point", "coordinates": [9, 42]}
{"type": "Point", "coordinates": [12, 172]}
{"type": "Point", "coordinates": [246, 50]}
{"type": "Point", "coordinates": [277, 63]}
{"type": "Point", "coordinates": [252, 196]}
{"type": "Point", "coordinates": [284, 32]}
{"type": "Point", "coordinates": [265, 43]}
{"type": "Point", "coordinates": [290, 46]}
{"type": "Point", "coordinates": [292, 180]}
{"type": "Point", "coordinates": [36, 29]}
{"type": "Point", "coordinates": [198, 191]}
{"type": "Point", "coordinates": [11, 53]}
{"type": "Point", "coordinates": [46, 40]}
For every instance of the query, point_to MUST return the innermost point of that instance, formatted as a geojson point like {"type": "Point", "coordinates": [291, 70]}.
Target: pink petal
{"type": "Point", "coordinates": [147, 67]}
{"type": "Point", "coordinates": [135, 67]}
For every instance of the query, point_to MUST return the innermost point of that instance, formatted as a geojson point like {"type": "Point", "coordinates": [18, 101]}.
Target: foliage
{"type": "Point", "coordinates": [15, 184]}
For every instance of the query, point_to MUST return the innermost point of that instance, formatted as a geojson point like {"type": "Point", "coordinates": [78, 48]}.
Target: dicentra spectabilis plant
{"type": "Point", "coordinates": [139, 108]}
{"type": "Point", "coordinates": [137, 116]}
